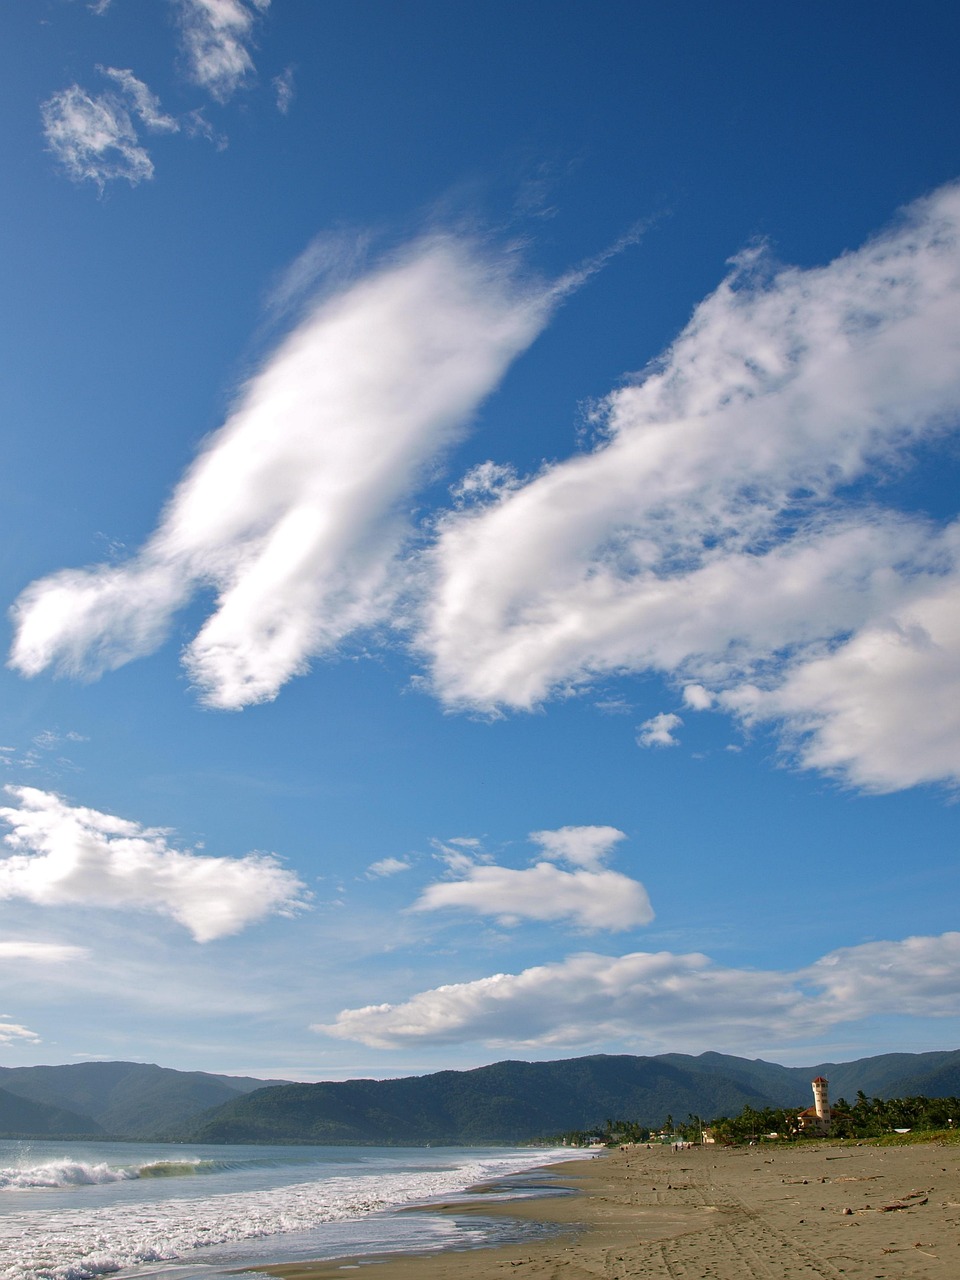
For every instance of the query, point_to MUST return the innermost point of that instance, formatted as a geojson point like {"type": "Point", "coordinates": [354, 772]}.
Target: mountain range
{"type": "Point", "coordinates": [112, 1099]}
{"type": "Point", "coordinates": [506, 1102]}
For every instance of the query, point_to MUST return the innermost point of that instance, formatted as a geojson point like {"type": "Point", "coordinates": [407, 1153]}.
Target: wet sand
{"type": "Point", "coordinates": [789, 1213]}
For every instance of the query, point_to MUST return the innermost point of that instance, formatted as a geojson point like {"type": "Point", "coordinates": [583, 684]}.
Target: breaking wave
{"type": "Point", "coordinates": [79, 1173]}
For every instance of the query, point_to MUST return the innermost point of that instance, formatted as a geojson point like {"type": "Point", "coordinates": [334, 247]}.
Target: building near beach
{"type": "Point", "coordinates": [817, 1118]}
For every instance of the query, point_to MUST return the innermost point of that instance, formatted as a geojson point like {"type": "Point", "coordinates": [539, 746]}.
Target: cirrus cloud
{"type": "Point", "coordinates": [293, 510]}
{"type": "Point", "coordinates": [725, 532]}
{"type": "Point", "coordinates": [216, 38]}
{"type": "Point", "coordinates": [12, 1032]}
{"type": "Point", "coordinates": [386, 867]}
{"type": "Point", "coordinates": [94, 138]}
{"type": "Point", "coordinates": [41, 952]}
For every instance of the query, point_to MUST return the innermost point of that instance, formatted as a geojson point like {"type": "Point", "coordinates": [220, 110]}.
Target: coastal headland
{"type": "Point", "coordinates": [801, 1212]}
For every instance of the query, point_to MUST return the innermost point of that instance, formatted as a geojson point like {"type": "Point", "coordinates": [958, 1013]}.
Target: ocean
{"type": "Point", "coordinates": [78, 1210]}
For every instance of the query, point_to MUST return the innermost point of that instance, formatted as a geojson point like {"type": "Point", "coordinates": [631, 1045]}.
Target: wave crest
{"type": "Point", "coordinates": [80, 1173]}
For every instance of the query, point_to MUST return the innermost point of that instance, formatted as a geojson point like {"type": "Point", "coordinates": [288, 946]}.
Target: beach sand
{"type": "Point", "coordinates": [781, 1213]}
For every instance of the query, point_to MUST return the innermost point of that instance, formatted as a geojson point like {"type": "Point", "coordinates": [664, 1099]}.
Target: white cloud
{"type": "Point", "coordinates": [293, 510]}
{"type": "Point", "coordinates": [216, 38]}
{"type": "Point", "coordinates": [660, 1000]}
{"type": "Point", "coordinates": [94, 137]}
{"type": "Point", "coordinates": [614, 706]}
{"type": "Point", "coordinates": [11, 1032]}
{"type": "Point", "coordinates": [882, 709]}
{"type": "Point", "coordinates": [709, 536]}
{"type": "Point", "coordinates": [658, 731]}
{"type": "Point", "coordinates": [386, 867]}
{"type": "Point", "coordinates": [197, 125]}
{"type": "Point", "coordinates": [485, 481]}
{"type": "Point", "coordinates": [697, 698]}
{"type": "Point", "coordinates": [283, 85]}
{"type": "Point", "coordinates": [41, 952]}
{"type": "Point", "coordinates": [582, 846]}
{"type": "Point", "coordinates": [70, 855]}
{"type": "Point", "coordinates": [460, 854]}
{"type": "Point", "coordinates": [920, 976]}
{"type": "Point", "coordinates": [589, 897]}
{"type": "Point", "coordinates": [330, 263]}
{"type": "Point", "coordinates": [144, 103]}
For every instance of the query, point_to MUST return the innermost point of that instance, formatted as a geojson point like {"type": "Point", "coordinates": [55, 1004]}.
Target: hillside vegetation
{"type": "Point", "coordinates": [525, 1101]}
{"type": "Point", "coordinates": [120, 1099]}
{"type": "Point", "coordinates": [507, 1102]}
{"type": "Point", "coordinates": [21, 1118]}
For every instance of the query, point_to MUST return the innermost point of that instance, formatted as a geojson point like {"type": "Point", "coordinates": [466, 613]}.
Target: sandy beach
{"type": "Point", "coordinates": [790, 1213]}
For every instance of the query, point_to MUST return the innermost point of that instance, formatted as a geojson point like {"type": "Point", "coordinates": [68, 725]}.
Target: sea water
{"type": "Point", "coordinates": [77, 1210]}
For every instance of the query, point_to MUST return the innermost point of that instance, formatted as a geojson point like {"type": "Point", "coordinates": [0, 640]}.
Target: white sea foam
{"type": "Point", "coordinates": [82, 1240]}
{"type": "Point", "coordinates": [80, 1173]}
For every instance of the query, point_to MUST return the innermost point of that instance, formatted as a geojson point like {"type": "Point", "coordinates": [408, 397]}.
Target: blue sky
{"type": "Point", "coordinates": [481, 539]}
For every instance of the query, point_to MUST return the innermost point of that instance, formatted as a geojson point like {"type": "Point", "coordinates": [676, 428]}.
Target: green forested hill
{"type": "Point", "coordinates": [886, 1075]}
{"type": "Point", "coordinates": [506, 1102]}
{"type": "Point", "coordinates": [521, 1101]}
{"type": "Point", "coordinates": [895, 1075]}
{"type": "Point", "coordinates": [126, 1099]}
{"type": "Point", "coordinates": [21, 1118]}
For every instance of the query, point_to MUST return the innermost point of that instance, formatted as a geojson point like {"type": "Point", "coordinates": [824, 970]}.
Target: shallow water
{"type": "Point", "coordinates": [77, 1210]}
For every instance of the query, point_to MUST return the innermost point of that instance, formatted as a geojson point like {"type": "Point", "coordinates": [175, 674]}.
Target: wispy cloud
{"type": "Point", "coordinates": [293, 511]}
{"type": "Point", "coordinates": [710, 535]}
{"type": "Point", "coordinates": [145, 105]}
{"type": "Point", "coordinates": [196, 125]}
{"type": "Point", "coordinates": [217, 35]}
{"type": "Point", "coordinates": [94, 138]}
{"type": "Point", "coordinates": [589, 897]}
{"type": "Point", "coordinates": [386, 867]}
{"type": "Point", "coordinates": [660, 1000]}
{"type": "Point", "coordinates": [330, 263]}
{"type": "Point", "coordinates": [12, 1032]}
{"type": "Point", "coordinates": [283, 87]}
{"type": "Point", "coordinates": [69, 855]}
{"type": "Point", "coordinates": [41, 952]}
{"type": "Point", "coordinates": [46, 753]}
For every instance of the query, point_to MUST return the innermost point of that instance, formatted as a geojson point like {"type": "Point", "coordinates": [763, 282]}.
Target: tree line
{"type": "Point", "coordinates": [864, 1118]}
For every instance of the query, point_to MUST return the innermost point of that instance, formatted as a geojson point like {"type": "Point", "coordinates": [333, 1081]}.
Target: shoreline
{"type": "Point", "coordinates": [804, 1213]}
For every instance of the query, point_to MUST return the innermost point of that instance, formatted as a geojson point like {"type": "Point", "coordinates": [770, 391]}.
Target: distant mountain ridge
{"type": "Point", "coordinates": [523, 1101]}
{"type": "Point", "coordinates": [506, 1102]}
{"type": "Point", "coordinates": [21, 1118]}
{"type": "Point", "coordinates": [120, 1099]}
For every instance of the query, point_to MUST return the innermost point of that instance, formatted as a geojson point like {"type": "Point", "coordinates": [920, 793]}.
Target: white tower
{"type": "Point", "coordinates": [821, 1102]}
